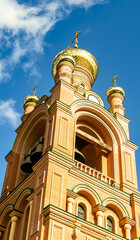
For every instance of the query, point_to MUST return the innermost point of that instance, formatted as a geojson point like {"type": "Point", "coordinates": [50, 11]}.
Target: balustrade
{"type": "Point", "coordinates": [93, 172]}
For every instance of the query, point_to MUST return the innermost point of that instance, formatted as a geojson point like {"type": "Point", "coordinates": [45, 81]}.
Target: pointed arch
{"type": "Point", "coordinates": [117, 206]}
{"type": "Point", "coordinates": [89, 192]}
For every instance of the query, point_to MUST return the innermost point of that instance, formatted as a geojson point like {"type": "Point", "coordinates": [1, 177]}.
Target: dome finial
{"type": "Point", "coordinates": [34, 89]}
{"type": "Point", "coordinates": [114, 80]}
{"type": "Point", "coordinates": [75, 38]}
{"type": "Point", "coordinates": [115, 97]}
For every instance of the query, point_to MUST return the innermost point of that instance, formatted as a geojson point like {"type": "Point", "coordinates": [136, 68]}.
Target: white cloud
{"type": "Point", "coordinates": [8, 113]}
{"type": "Point", "coordinates": [85, 3]}
{"type": "Point", "coordinates": [3, 74]}
{"type": "Point", "coordinates": [24, 26]}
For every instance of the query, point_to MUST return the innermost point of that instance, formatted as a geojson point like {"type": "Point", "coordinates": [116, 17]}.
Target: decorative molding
{"type": "Point", "coordinates": [127, 220]}
{"type": "Point", "coordinates": [2, 228]}
{"type": "Point", "coordinates": [99, 207]}
{"type": "Point", "coordinates": [72, 194]}
{"type": "Point", "coordinates": [16, 213]}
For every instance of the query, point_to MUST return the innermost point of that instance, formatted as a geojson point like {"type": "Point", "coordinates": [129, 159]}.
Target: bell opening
{"type": "Point", "coordinates": [32, 155]}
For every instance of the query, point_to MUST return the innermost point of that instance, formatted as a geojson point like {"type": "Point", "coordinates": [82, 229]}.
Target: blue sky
{"type": "Point", "coordinates": [32, 32]}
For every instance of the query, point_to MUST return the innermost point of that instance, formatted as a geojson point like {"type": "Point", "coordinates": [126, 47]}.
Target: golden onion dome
{"type": "Point", "coordinates": [115, 89]}
{"type": "Point", "coordinates": [66, 57]}
{"type": "Point", "coordinates": [81, 56]}
{"type": "Point", "coordinates": [31, 98]}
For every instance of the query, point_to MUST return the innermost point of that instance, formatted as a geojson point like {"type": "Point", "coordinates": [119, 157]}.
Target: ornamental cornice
{"type": "Point", "coordinates": [135, 199]}
{"type": "Point", "coordinates": [71, 220]}
{"type": "Point", "coordinates": [16, 213]}
{"type": "Point", "coordinates": [98, 184]}
{"type": "Point", "coordinates": [132, 146]}
{"type": "Point", "coordinates": [72, 194]}
{"type": "Point", "coordinates": [118, 115]}
{"type": "Point", "coordinates": [2, 228]}
{"type": "Point", "coordinates": [51, 156]}
{"type": "Point", "coordinates": [99, 207]}
{"type": "Point", "coordinates": [58, 105]}
{"type": "Point", "coordinates": [127, 220]}
{"type": "Point", "coordinates": [63, 83]}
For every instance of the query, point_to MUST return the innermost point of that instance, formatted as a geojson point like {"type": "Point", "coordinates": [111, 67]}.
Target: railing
{"type": "Point", "coordinates": [93, 172]}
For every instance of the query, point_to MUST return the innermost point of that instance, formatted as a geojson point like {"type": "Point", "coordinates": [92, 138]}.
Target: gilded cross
{"type": "Point", "coordinates": [75, 39]}
{"type": "Point", "coordinates": [35, 89]}
{"type": "Point", "coordinates": [114, 80]}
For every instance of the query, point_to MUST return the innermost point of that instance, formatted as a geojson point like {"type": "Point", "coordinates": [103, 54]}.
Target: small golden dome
{"type": "Point", "coordinates": [31, 98]}
{"type": "Point", "coordinates": [115, 89]}
{"type": "Point", "coordinates": [81, 56]}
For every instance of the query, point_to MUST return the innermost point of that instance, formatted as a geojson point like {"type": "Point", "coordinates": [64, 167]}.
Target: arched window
{"type": "Point", "coordinates": [109, 225]}
{"type": "Point", "coordinates": [81, 211]}
{"type": "Point", "coordinates": [26, 224]}
{"type": "Point", "coordinates": [8, 230]}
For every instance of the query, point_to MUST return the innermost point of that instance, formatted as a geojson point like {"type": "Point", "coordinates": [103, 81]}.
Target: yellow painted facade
{"type": "Point", "coordinates": [71, 174]}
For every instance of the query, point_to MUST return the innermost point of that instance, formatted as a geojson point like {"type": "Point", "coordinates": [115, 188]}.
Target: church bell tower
{"type": "Point", "coordinates": [71, 173]}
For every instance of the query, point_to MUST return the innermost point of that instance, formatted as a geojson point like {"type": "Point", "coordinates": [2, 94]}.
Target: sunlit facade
{"type": "Point", "coordinates": [71, 173]}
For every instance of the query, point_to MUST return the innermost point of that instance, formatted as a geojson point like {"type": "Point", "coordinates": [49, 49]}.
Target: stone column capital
{"type": "Point", "coordinates": [127, 226]}
{"type": "Point", "coordinates": [72, 194]}
{"type": "Point", "coordinates": [70, 200]}
{"type": "Point", "coordinates": [127, 220]}
{"type": "Point", "coordinates": [16, 213]}
{"type": "Point", "coordinates": [14, 219]}
{"type": "Point", "coordinates": [99, 213]}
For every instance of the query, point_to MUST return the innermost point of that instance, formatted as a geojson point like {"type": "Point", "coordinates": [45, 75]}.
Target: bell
{"type": "Point", "coordinates": [27, 165]}
{"type": "Point", "coordinates": [36, 153]}
{"type": "Point", "coordinates": [79, 156]}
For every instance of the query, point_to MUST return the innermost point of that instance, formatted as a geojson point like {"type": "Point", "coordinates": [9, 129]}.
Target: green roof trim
{"type": "Point", "coordinates": [30, 189]}
{"type": "Point", "coordinates": [110, 198]}
{"type": "Point", "coordinates": [73, 189]}
{"type": "Point", "coordinates": [12, 205]}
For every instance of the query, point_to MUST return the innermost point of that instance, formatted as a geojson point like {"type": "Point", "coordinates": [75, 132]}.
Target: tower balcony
{"type": "Point", "coordinates": [93, 172]}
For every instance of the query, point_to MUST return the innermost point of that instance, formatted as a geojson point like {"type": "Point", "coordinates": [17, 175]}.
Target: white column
{"type": "Point", "coordinates": [99, 215]}
{"type": "Point", "coordinates": [14, 220]}
{"type": "Point", "coordinates": [127, 228]}
{"type": "Point", "coordinates": [70, 202]}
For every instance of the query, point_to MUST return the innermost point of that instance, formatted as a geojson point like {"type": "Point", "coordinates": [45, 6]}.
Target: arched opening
{"type": "Point", "coordinates": [8, 230]}
{"type": "Point", "coordinates": [109, 224]}
{"type": "Point", "coordinates": [81, 211]}
{"type": "Point", "coordinates": [33, 146]}
{"type": "Point", "coordinates": [26, 224]}
{"type": "Point", "coordinates": [93, 147]}
{"type": "Point", "coordinates": [82, 85]}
